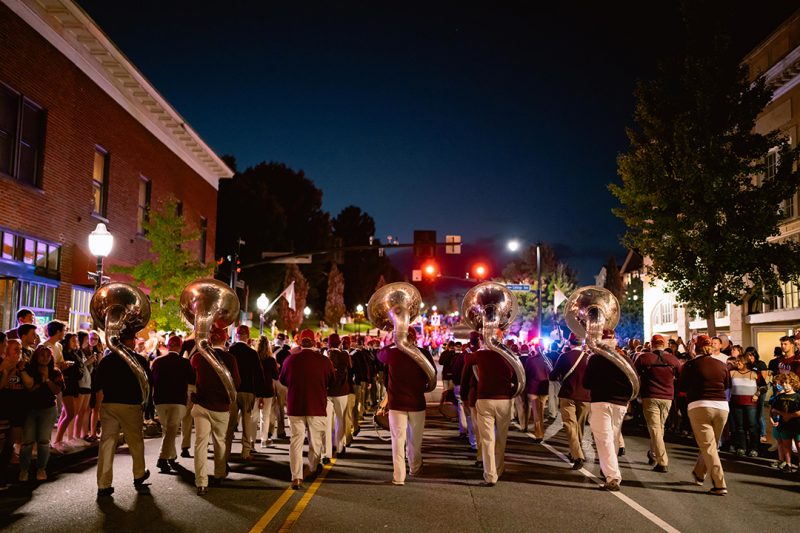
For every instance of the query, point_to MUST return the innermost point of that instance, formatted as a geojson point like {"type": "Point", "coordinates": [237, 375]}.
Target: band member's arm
{"type": "Point", "coordinates": [466, 377]}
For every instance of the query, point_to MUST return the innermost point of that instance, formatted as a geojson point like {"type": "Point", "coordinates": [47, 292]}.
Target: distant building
{"type": "Point", "coordinates": [758, 323]}
{"type": "Point", "coordinates": [84, 138]}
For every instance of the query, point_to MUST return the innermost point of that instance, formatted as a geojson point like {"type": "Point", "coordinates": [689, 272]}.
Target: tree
{"type": "Point", "coordinates": [334, 303]}
{"type": "Point", "coordinates": [273, 208]}
{"type": "Point", "coordinates": [700, 185]}
{"type": "Point", "coordinates": [292, 319]}
{"type": "Point", "coordinates": [171, 265]}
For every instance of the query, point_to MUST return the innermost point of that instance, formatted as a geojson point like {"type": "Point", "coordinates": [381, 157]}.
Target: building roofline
{"type": "Point", "coordinates": [73, 33]}
{"type": "Point", "coordinates": [765, 42]}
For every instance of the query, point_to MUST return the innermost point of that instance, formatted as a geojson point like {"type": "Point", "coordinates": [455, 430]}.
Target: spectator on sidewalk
{"type": "Point", "coordinates": [88, 360]}
{"type": "Point", "coordinates": [11, 353]}
{"type": "Point", "coordinates": [72, 371]}
{"type": "Point", "coordinates": [24, 316]}
{"type": "Point", "coordinates": [746, 387]}
{"type": "Point", "coordinates": [785, 415]}
{"type": "Point", "coordinates": [43, 381]}
{"type": "Point", "coordinates": [172, 375]}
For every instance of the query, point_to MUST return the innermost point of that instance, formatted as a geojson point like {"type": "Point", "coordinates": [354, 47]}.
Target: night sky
{"type": "Point", "coordinates": [486, 121]}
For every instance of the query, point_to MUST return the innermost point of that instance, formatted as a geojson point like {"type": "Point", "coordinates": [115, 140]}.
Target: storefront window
{"type": "Point", "coordinates": [79, 315]}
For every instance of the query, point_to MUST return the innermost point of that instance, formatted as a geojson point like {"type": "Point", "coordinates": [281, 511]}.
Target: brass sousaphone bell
{"type": "Point", "coordinates": [118, 306]}
{"type": "Point", "coordinates": [588, 311]}
{"type": "Point", "coordinates": [206, 303]}
{"type": "Point", "coordinates": [486, 308]}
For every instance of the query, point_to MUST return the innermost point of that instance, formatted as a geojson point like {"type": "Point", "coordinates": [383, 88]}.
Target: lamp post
{"type": "Point", "coordinates": [513, 245]}
{"type": "Point", "coordinates": [359, 312]}
{"type": "Point", "coordinates": [307, 312]}
{"type": "Point", "coordinates": [100, 244]}
{"type": "Point", "coordinates": [262, 303]}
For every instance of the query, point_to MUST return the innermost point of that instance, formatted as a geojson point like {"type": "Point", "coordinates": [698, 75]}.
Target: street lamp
{"type": "Point", "coordinates": [307, 312]}
{"type": "Point", "coordinates": [359, 312]}
{"type": "Point", "coordinates": [262, 303]}
{"type": "Point", "coordinates": [514, 246]}
{"type": "Point", "coordinates": [100, 244]}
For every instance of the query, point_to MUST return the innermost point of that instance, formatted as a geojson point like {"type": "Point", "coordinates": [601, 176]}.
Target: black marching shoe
{"type": "Point", "coordinates": [163, 466]}
{"type": "Point", "coordinates": [661, 469]}
{"type": "Point", "coordinates": [577, 464]}
{"type": "Point", "coordinates": [621, 451]}
{"type": "Point", "coordinates": [185, 452]}
{"type": "Point", "coordinates": [139, 481]}
{"type": "Point", "coordinates": [102, 493]}
{"type": "Point", "coordinates": [326, 460]}
{"type": "Point", "coordinates": [202, 491]}
{"type": "Point", "coordinates": [651, 458]}
{"type": "Point", "coordinates": [174, 464]}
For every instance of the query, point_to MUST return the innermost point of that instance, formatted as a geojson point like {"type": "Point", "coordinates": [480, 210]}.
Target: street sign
{"type": "Point", "coordinates": [518, 287]}
{"type": "Point", "coordinates": [452, 244]}
{"type": "Point", "coordinates": [297, 259]}
{"type": "Point", "coordinates": [240, 284]}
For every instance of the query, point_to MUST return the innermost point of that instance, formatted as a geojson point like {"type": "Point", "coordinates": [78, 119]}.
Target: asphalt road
{"type": "Point", "coordinates": [538, 492]}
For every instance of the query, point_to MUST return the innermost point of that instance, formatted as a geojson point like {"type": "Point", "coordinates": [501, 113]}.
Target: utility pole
{"type": "Point", "coordinates": [539, 290]}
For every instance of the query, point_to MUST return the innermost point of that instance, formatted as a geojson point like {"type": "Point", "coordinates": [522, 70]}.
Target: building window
{"type": "Point", "coordinates": [44, 257]}
{"type": "Point", "coordinates": [39, 298]}
{"type": "Point", "coordinates": [21, 137]}
{"type": "Point", "coordinates": [100, 182]}
{"type": "Point", "coordinates": [79, 315]}
{"type": "Point", "coordinates": [664, 313]}
{"type": "Point", "coordinates": [143, 210]}
{"type": "Point", "coordinates": [203, 238]}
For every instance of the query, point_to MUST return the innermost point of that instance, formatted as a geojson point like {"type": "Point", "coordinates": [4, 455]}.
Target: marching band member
{"type": "Point", "coordinates": [493, 405]}
{"type": "Point", "coordinates": [573, 397]}
{"type": "Point", "coordinates": [338, 395]}
{"type": "Point", "coordinates": [406, 386]}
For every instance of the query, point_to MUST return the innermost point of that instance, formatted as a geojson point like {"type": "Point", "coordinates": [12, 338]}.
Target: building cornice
{"type": "Point", "coordinates": [73, 33]}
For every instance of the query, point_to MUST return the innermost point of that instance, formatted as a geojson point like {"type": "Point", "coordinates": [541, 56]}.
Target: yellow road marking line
{"type": "Point", "coordinates": [301, 505]}
{"type": "Point", "coordinates": [262, 524]}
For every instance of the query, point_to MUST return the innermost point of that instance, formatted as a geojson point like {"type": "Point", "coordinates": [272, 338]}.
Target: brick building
{"type": "Point", "coordinates": [84, 138]}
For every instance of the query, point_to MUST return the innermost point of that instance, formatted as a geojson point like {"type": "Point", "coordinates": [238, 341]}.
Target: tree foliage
{"type": "Point", "coordinates": [291, 320]}
{"type": "Point", "coordinates": [699, 195]}
{"type": "Point", "coordinates": [362, 269]}
{"type": "Point", "coordinates": [170, 267]}
{"type": "Point", "coordinates": [614, 279]}
{"type": "Point", "coordinates": [334, 303]}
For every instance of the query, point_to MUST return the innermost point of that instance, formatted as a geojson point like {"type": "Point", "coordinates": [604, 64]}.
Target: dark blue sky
{"type": "Point", "coordinates": [483, 121]}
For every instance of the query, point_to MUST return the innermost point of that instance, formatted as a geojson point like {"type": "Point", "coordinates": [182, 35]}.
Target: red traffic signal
{"type": "Point", "coordinates": [480, 271]}
{"type": "Point", "coordinates": [430, 269]}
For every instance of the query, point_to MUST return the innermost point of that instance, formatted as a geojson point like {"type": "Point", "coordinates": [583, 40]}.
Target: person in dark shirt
{"type": "Point", "coordinates": [788, 361]}
{"type": "Point", "coordinates": [43, 382]}
{"type": "Point", "coordinates": [705, 381]}
{"type": "Point", "coordinates": [262, 413]}
{"type": "Point", "coordinates": [172, 375]}
{"type": "Point", "coordinates": [537, 383]}
{"type": "Point", "coordinates": [362, 378]}
{"type": "Point", "coordinates": [307, 375]}
{"type": "Point", "coordinates": [573, 397]}
{"type": "Point", "coordinates": [493, 405]}
{"type": "Point", "coordinates": [188, 348]}
{"type": "Point", "coordinates": [405, 387]}
{"type": "Point", "coordinates": [121, 410]}
{"type": "Point", "coordinates": [446, 362]}
{"type": "Point", "coordinates": [338, 393]}
{"type": "Point", "coordinates": [24, 316]}
{"type": "Point", "coordinates": [252, 379]}
{"type": "Point", "coordinates": [211, 410]}
{"type": "Point", "coordinates": [785, 417]}
{"type": "Point", "coordinates": [466, 428]}
{"type": "Point", "coordinates": [282, 351]}
{"type": "Point", "coordinates": [610, 391]}
{"type": "Point", "coordinates": [657, 372]}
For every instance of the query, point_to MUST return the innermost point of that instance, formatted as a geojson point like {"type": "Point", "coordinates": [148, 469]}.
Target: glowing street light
{"type": "Point", "coordinates": [262, 303]}
{"type": "Point", "coordinates": [359, 313]}
{"type": "Point", "coordinates": [307, 312]}
{"type": "Point", "coordinates": [434, 308]}
{"type": "Point", "coordinates": [100, 244]}
{"type": "Point", "coordinates": [513, 245]}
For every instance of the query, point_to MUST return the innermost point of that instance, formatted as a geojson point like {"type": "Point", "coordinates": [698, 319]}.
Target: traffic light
{"type": "Point", "coordinates": [480, 271]}
{"type": "Point", "coordinates": [424, 244]}
{"type": "Point", "coordinates": [430, 270]}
